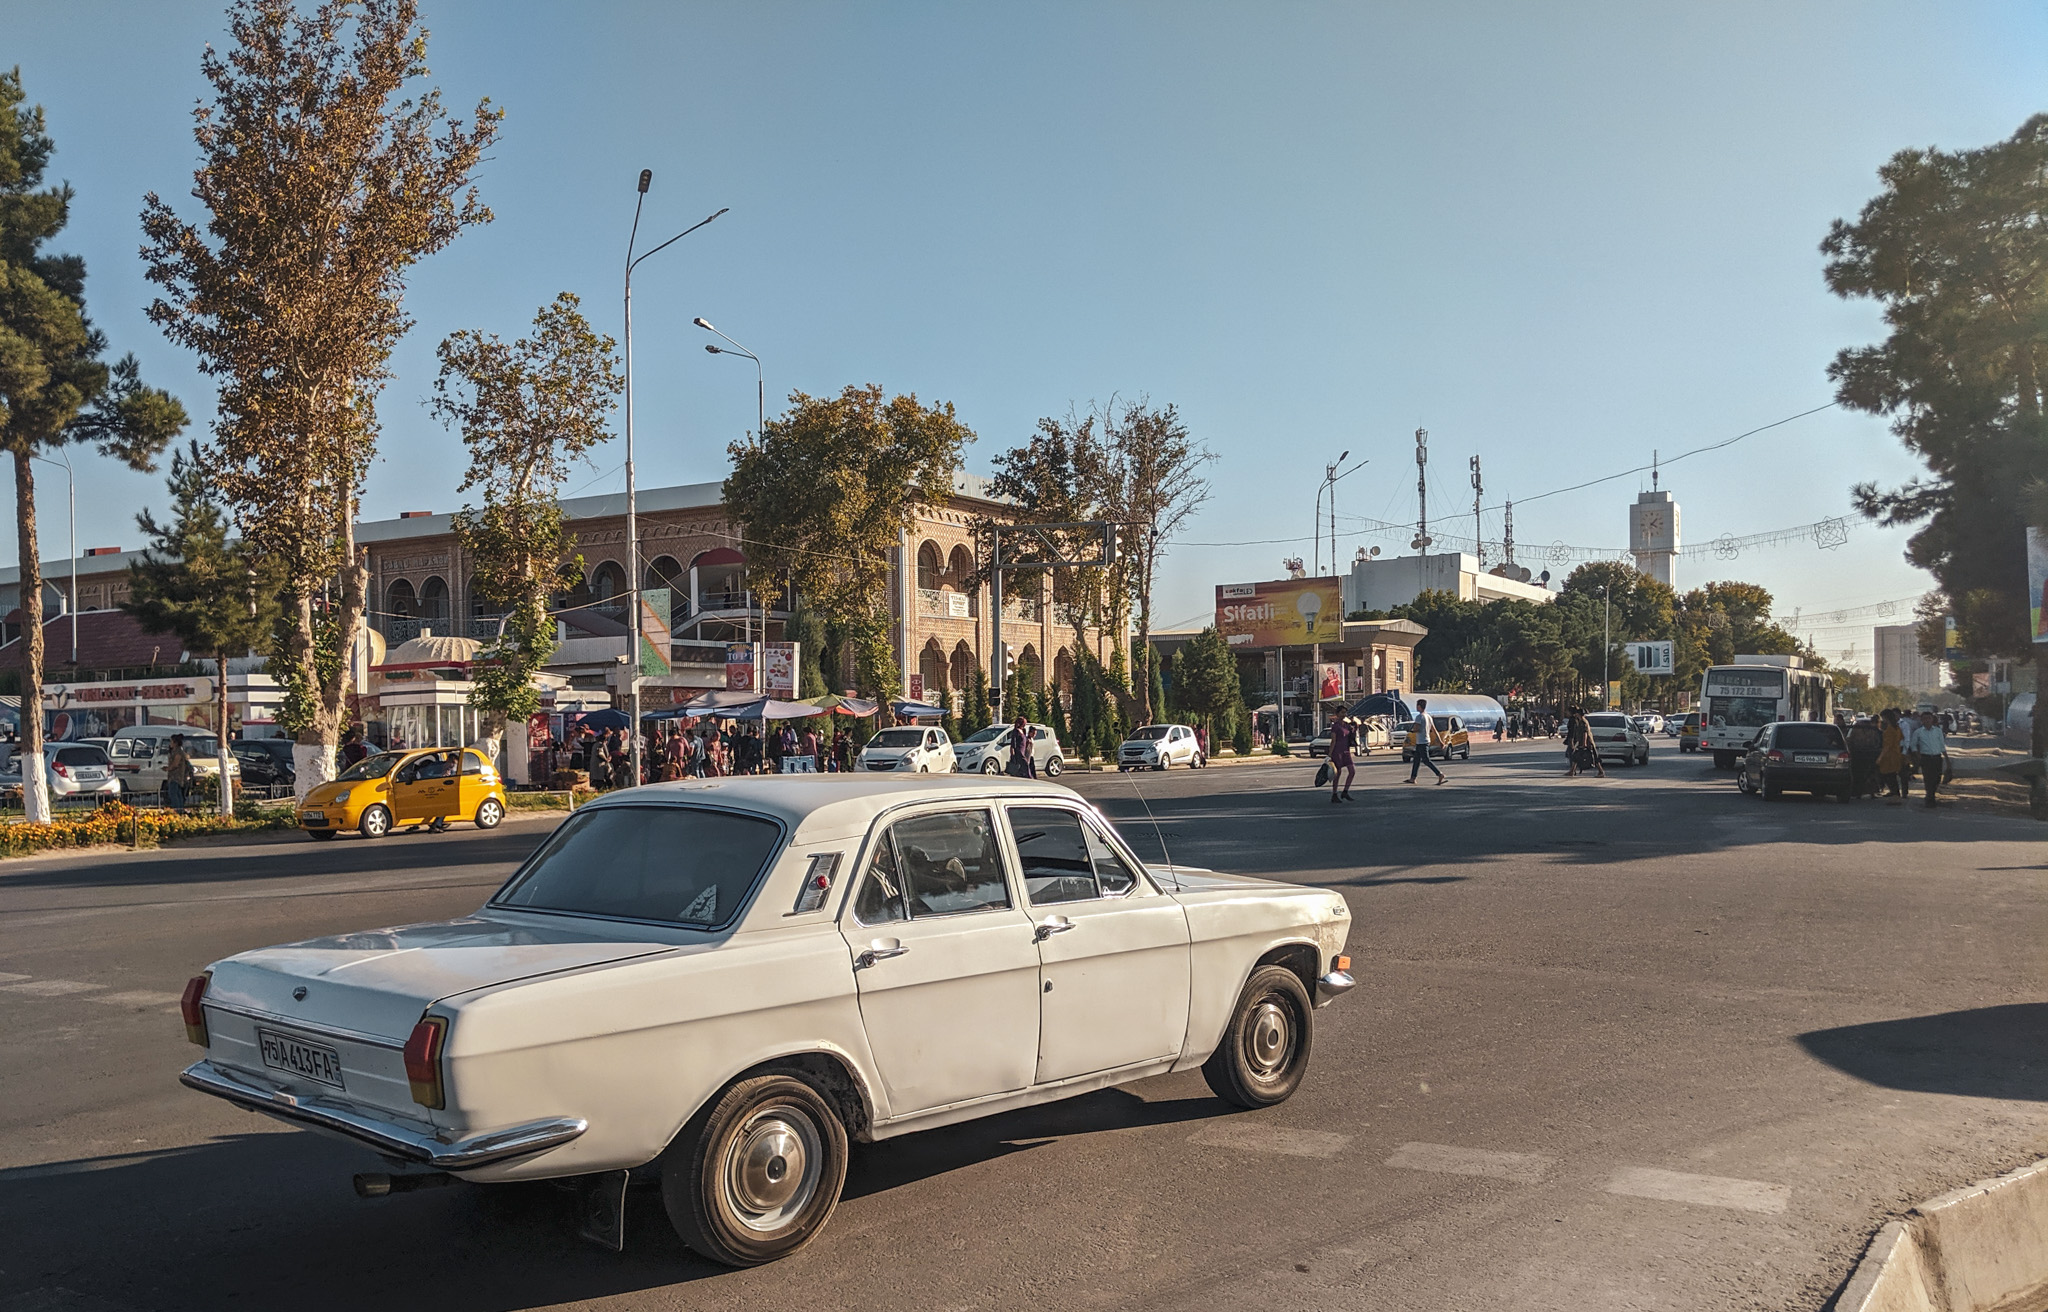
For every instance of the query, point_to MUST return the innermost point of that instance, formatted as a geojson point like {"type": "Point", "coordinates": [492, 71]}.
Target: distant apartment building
{"type": "Point", "coordinates": [1900, 664]}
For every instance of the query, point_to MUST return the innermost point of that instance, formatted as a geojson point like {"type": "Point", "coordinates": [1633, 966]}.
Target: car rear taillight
{"type": "Point", "coordinates": [63, 771]}
{"type": "Point", "coordinates": [1774, 755]}
{"type": "Point", "coordinates": [423, 1062]}
{"type": "Point", "coordinates": [1841, 758]}
{"type": "Point", "coordinates": [192, 1007]}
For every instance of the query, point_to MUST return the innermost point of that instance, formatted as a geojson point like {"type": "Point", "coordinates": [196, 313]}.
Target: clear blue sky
{"type": "Point", "coordinates": [1556, 236]}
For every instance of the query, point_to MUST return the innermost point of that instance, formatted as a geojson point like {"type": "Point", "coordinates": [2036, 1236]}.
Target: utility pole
{"type": "Point", "coordinates": [1421, 543]}
{"type": "Point", "coordinates": [1606, 641]}
{"type": "Point", "coordinates": [1478, 532]}
{"type": "Point", "coordinates": [1507, 536]}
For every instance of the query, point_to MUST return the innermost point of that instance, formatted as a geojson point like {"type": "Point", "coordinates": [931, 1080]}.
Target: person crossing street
{"type": "Point", "coordinates": [1425, 738]}
{"type": "Point", "coordinates": [1342, 769]}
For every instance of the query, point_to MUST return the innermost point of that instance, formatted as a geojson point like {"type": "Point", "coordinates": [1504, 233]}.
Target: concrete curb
{"type": "Point", "coordinates": [1981, 1248]}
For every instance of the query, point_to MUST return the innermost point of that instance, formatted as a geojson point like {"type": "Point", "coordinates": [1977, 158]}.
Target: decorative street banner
{"type": "Point", "coordinates": [2037, 582]}
{"type": "Point", "coordinates": [654, 632]}
{"type": "Point", "coordinates": [1658, 657]}
{"type": "Point", "coordinates": [1282, 613]}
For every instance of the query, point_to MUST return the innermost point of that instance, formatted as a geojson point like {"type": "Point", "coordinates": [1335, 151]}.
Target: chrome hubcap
{"type": "Point", "coordinates": [772, 1167]}
{"type": "Point", "coordinates": [1268, 1038]}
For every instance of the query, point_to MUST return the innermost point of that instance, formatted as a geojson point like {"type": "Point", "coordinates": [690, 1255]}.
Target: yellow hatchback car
{"type": "Point", "coordinates": [425, 786]}
{"type": "Point", "coordinates": [1451, 739]}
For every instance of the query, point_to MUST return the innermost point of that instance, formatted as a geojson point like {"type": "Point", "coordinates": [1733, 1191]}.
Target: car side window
{"type": "Point", "coordinates": [472, 763]}
{"type": "Point", "coordinates": [881, 892]}
{"type": "Point", "coordinates": [950, 863]}
{"type": "Point", "coordinates": [1111, 873]}
{"type": "Point", "coordinates": [1053, 847]}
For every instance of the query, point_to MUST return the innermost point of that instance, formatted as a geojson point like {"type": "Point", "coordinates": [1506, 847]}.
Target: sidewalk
{"type": "Point", "coordinates": [1978, 786]}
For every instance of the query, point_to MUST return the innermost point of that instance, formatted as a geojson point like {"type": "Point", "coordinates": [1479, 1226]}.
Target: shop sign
{"type": "Point", "coordinates": [176, 692]}
{"type": "Point", "coordinates": [778, 669]}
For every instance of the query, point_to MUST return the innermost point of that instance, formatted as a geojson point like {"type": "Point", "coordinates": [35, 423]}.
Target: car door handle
{"type": "Point", "coordinates": [880, 949]}
{"type": "Point", "coordinates": [1049, 926]}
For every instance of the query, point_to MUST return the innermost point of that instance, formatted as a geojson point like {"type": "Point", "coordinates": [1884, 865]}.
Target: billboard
{"type": "Point", "coordinates": [1282, 613]}
{"type": "Point", "coordinates": [1658, 657]}
{"type": "Point", "coordinates": [778, 669]}
{"type": "Point", "coordinates": [2037, 583]}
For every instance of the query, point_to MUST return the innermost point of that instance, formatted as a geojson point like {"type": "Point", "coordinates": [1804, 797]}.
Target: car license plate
{"type": "Point", "coordinates": [315, 1061]}
{"type": "Point", "coordinates": [1809, 758]}
{"type": "Point", "coordinates": [312, 817]}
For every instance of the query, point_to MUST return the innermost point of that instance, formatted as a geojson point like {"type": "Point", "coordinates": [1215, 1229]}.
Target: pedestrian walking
{"type": "Point", "coordinates": [1342, 769]}
{"type": "Point", "coordinates": [1425, 738]}
{"type": "Point", "coordinates": [1930, 748]}
{"type": "Point", "coordinates": [352, 749]}
{"type": "Point", "coordinates": [178, 774]}
{"type": "Point", "coordinates": [1866, 743]}
{"type": "Point", "coordinates": [1021, 763]}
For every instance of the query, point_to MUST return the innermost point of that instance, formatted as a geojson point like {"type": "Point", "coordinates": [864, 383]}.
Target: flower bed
{"type": "Point", "coordinates": [120, 823]}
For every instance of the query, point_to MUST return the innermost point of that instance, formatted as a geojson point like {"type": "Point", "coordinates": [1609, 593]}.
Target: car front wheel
{"type": "Point", "coordinates": [991, 766]}
{"type": "Point", "coordinates": [1264, 1052]}
{"type": "Point", "coordinates": [758, 1172]}
{"type": "Point", "coordinates": [376, 822]}
{"type": "Point", "coordinates": [488, 813]}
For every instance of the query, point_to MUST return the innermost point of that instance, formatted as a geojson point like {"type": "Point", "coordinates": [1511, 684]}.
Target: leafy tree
{"type": "Point", "coordinates": [1241, 736]}
{"type": "Point", "coordinates": [526, 412]}
{"type": "Point", "coordinates": [56, 387]}
{"type": "Point", "coordinates": [1151, 483]}
{"type": "Point", "coordinates": [217, 596]}
{"type": "Point", "coordinates": [1206, 683]}
{"type": "Point", "coordinates": [321, 193]}
{"type": "Point", "coordinates": [825, 496]}
{"type": "Point", "coordinates": [978, 713]}
{"type": "Point", "coordinates": [1051, 479]}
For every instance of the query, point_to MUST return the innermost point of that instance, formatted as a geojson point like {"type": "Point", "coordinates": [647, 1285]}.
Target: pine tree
{"type": "Point", "coordinates": [1158, 699]}
{"type": "Point", "coordinates": [216, 596]}
{"type": "Point", "coordinates": [979, 714]}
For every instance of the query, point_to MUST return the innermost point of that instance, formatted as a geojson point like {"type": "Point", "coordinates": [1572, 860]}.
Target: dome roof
{"type": "Point", "coordinates": [436, 650]}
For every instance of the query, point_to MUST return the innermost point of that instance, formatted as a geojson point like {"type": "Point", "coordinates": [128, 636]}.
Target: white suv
{"type": "Point", "coordinates": [1160, 747]}
{"type": "Point", "coordinates": [908, 750]}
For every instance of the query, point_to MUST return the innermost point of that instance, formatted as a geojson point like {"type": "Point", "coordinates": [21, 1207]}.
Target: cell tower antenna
{"type": "Point", "coordinates": [1421, 543]}
{"type": "Point", "coordinates": [1653, 469]}
{"type": "Point", "coordinates": [1478, 529]}
{"type": "Point", "coordinates": [1507, 536]}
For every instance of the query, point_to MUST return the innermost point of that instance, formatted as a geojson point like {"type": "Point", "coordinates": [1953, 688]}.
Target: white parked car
{"type": "Point", "coordinates": [141, 751]}
{"type": "Point", "coordinates": [1160, 747]}
{"type": "Point", "coordinates": [70, 770]}
{"type": "Point", "coordinates": [1649, 724]}
{"type": "Point", "coordinates": [989, 750]}
{"type": "Point", "coordinates": [724, 981]}
{"type": "Point", "coordinates": [908, 750]}
{"type": "Point", "coordinates": [1616, 737]}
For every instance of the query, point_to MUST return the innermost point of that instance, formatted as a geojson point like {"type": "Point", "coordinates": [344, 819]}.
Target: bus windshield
{"type": "Point", "coordinates": [1741, 712]}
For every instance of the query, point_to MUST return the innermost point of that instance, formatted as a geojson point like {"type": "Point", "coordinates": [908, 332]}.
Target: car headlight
{"type": "Point", "coordinates": [340, 799]}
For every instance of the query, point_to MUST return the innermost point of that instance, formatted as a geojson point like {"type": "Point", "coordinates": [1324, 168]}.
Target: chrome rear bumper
{"type": "Point", "coordinates": [387, 1136]}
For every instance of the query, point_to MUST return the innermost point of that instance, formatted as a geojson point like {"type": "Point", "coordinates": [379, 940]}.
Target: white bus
{"type": "Point", "coordinates": [1737, 700]}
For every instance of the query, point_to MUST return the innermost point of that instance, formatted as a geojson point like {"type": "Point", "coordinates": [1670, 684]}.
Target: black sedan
{"type": "Point", "coordinates": [1797, 754]}
{"type": "Point", "coordinates": [265, 762]}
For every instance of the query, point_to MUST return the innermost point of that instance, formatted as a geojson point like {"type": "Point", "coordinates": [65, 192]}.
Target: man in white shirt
{"type": "Point", "coordinates": [1931, 751]}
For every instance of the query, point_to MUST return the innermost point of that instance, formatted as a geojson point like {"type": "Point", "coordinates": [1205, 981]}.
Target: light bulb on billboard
{"type": "Point", "coordinates": [1310, 604]}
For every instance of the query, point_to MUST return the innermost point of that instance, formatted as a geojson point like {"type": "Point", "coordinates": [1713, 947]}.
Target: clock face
{"type": "Point", "coordinates": [1653, 525]}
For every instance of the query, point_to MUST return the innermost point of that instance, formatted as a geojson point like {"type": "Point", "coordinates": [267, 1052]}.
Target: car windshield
{"type": "Point", "coordinates": [897, 738]}
{"type": "Point", "coordinates": [988, 735]}
{"type": "Point", "coordinates": [1608, 721]}
{"type": "Point", "coordinates": [370, 767]}
{"type": "Point", "coordinates": [1809, 737]}
{"type": "Point", "coordinates": [1150, 733]}
{"type": "Point", "coordinates": [681, 864]}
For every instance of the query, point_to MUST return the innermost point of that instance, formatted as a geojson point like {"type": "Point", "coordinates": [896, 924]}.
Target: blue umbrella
{"type": "Point", "coordinates": [605, 719]}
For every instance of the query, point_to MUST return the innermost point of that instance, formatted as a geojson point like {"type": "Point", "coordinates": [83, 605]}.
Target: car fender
{"type": "Point", "coordinates": [1231, 929]}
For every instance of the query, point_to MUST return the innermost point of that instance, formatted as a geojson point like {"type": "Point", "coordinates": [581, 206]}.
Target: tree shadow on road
{"type": "Point", "coordinates": [1985, 1052]}
{"type": "Point", "coordinates": [290, 856]}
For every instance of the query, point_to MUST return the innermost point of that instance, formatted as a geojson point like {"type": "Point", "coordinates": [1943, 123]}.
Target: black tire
{"type": "Point", "coordinates": [1265, 1047]}
{"type": "Point", "coordinates": [756, 1174]}
{"type": "Point", "coordinates": [320, 833]}
{"type": "Point", "coordinates": [1053, 767]}
{"type": "Point", "coordinates": [489, 813]}
{"type": "Point", "coordinates": [376, 822]}
{"type": "Point", "coordinates": [991, 766]}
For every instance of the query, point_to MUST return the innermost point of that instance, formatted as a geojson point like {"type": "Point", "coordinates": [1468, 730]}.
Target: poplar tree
{"type": "Point", "coordinates": [56, 388]}
{"type": "Point", "coordinates": [526, 412]}
{"type": "Point", "coordinates": [325, 174]}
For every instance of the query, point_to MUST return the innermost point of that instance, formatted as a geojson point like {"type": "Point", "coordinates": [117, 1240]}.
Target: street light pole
{"type": "Point", "coordinates": [632, 507]}
{"type": "Point", "coordinates": [760, 387]}
{"type": "Point", "coordinates": [1606, 641]}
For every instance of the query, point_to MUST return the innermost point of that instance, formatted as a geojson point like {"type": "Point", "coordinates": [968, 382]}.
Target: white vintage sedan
{"type": "Point", "coordinates": [723, 981]}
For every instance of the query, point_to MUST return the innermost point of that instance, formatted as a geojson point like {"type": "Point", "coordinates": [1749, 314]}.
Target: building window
{"type": "Point", "coordinates": [1400, 674]}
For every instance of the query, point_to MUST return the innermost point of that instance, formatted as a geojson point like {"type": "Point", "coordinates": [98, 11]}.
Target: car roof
{"type": "Point", "coordinates": [823, 805]}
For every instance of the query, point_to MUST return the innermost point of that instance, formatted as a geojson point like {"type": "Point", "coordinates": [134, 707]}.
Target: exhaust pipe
{"type": "Point", "coordinates": [376, 1184]}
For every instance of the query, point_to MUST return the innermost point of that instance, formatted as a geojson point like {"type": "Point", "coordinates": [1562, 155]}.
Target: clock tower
{"type": "Point", "coordinates": [1653, 536]}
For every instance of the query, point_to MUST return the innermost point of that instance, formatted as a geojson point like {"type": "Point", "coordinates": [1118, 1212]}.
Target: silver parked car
{"type": "Point", "coordinates": [71, 770]}
{"type": "Point", "coordinates": [989, 751]}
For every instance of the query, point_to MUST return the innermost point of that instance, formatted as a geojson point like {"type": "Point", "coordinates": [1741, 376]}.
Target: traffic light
{"type": "Point", "coordinates": [1009, 663]}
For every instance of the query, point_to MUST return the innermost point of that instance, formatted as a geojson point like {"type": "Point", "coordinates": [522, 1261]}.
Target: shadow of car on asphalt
{"type": "Point", "coordinates": [1985, 1052]}
{"type": "Point", "coordinates": [241, 1217]}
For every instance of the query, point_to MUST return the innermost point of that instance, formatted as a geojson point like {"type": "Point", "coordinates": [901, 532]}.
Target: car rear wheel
{"type": "Point", "coordinates": [320, 833]}
{"type": "Point", "coordinates": [757, 1173]}
{"type": "Point", "coordinates": [1053, 768]}
{"type": "Point", "coordinates": [376, 822]}
{"type": "Point", "coordinates": [488, 813]}
{"type": "Point", "coordinates": [1264, 1052]}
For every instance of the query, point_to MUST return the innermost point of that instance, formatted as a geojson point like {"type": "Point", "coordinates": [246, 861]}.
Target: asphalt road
{"type": "Point", "coordinates": [1638, 1042]}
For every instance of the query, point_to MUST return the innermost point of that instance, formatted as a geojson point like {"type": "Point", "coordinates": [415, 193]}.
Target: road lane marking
{"type": "Point", "coordinates": [6, 978]}
{"type": "Point", "coordinates": [52, 988]}
{"type": "Point", "coordinates": [1270, 1139]}
{"type": "Point", "coordinates": [1705, 1190]}
{"type": "Point", "coordinates": [139, 998]}
{"type": "Point", "coordinates": [1522, 1168]}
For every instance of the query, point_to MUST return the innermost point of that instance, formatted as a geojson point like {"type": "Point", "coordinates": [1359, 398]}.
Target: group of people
{"type": "Point", "coordinates": [1346, 746]}
{"type": "Point", "coordinates": [1886, 752]}
{"type": "Point", "coordinates": [703, 751]}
